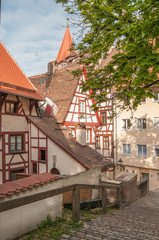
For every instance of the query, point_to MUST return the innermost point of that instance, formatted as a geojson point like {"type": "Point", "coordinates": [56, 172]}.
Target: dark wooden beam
{"type": "Point", "coordinates": [76, 204]}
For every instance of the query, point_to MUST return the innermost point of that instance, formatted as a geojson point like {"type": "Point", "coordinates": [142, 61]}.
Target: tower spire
{"type": "Point", "coordinates": [67, 42]}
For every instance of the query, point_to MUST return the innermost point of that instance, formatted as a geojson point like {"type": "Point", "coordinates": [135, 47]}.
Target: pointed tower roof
{"type": "Point", "coordinates": [12, 79]}
{"type": "Point", "coordinates": [67, 42]}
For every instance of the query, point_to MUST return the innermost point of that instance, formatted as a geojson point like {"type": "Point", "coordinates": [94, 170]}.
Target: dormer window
{"type": "Point", "coordinates": [11, 107]}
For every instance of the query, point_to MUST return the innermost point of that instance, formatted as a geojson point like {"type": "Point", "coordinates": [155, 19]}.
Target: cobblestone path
{"type": "Point", "coordinates": [139, 221]}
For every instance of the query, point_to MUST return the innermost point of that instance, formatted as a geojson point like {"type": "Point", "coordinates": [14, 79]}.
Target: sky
{"type": "Point", "coordinates": [32, 31]}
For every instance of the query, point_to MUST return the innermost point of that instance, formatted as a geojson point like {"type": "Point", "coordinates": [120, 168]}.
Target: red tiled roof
{"type": "Point", "coordinates": [64, 51]}
{"type": "Point", "coordinates": [60, 90]}
{"type": "Point", "coordinates": [23, 184]}
{"type": "Point", "coordinates": [12, 78]}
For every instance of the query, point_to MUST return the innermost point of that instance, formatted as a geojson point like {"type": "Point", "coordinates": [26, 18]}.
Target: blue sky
{"type": "Point", "coordinates": [32, 31]}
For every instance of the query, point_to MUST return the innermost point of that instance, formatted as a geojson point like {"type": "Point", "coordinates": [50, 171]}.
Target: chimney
{"type": "Point", "coordinates": [50, 68]}
{"type": "Point", "coordinates": [81, 134]}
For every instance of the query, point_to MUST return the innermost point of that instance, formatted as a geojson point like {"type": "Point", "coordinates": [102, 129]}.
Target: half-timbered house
{"type": "Point", "coordinates": [18, 98]}
{"type": "Point", "coordinates": [30, 144]}
{"type": "Point", "coordinates": [75, 106]}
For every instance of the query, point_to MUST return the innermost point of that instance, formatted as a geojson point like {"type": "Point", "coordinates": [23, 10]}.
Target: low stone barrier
{"type": "Point", "coordinates": [141, 188]}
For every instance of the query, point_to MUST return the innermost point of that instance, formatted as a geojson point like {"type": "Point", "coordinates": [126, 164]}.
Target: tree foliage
{"type": "Point", "coordinates": [132, 28]}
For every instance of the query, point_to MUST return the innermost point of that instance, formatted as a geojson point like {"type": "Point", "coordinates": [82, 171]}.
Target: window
{"type": "Point", "coordinates": [125, 124]}
{"type": "Point", "coordinates": [143, 100]}
{"type": "Point", "coordinates": [106, 143]}
{"type": "Point", "coordinates": [35, 169]}
{"type": "Point", "coordinates": [13, 174]}
{"type": "Point", "coordinates": [82, 107]}
{"type": "Point", "coordinates": [11, 107]}
{"type": "Point", "coordinates": [16, 143]}
{"type": "Point", "coordinates": [156, 93]}
{"type": "Point", "coordinates": [156, 150]}
{"type": "Point", "coordinates": [42, 156]}
{"type": "Point", "coordinates": [126, 149]}
{"type": "Point", "coordinates": [97, 142]}
{"type": "Point", "coordinates": [157, 176]}
{"type": "Point", "coordinates": [141, 123]}
{"type": "Point", "coordinates": [156, 123]}
{"type": "Point", "coordinates": [103, 118]}
{"type": "Point", "coordinates": [142, 150]}
{"type": "Point", "coordinates": [88, 136]}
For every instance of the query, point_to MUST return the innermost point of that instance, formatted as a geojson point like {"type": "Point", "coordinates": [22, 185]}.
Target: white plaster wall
{"type": "Point", "coordinates": [42, 142]}
{"type": "Point", "coordinates": [16, 158]}
{"type": "Point", "coordinates": [34, 142]}
{"type": "Point", "coordinates": [42, 168]}
{"type": "Point", "coordinates": [18, 221]}
{"type": "Point", "coordinates": [34, 154]}
{"type": "Point", "coordinates": [34, 131]}
{"type": "Point", "coordinates": [64, 162]}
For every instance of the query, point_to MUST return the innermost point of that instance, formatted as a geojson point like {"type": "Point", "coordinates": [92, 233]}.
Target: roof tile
{"type": "Point", "coordinates": [12, 79]}
{"type": "Point", "coordinates": [23, 184]}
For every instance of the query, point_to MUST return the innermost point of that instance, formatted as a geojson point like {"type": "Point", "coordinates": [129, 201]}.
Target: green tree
{"type": "Point", "coordinates": [132, 27]}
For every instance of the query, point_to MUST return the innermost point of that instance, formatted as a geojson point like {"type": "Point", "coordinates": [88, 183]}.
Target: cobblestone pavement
{"type": "Point", "coordinates": [139, 221]}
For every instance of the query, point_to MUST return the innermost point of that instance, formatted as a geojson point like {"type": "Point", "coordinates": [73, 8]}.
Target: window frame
{"type": "Point", "coordinates": [156, 93]}
{"type": "Point", "coordinates": [16, 143]}
{"type": "Point", "coordinates": [155, 146]}
{"type": "Point", "coordinates": [142, 124]}
{"type": "Point", "coordinates": [127, 149]}
{"type": "Point", "coordinates": [104, 146]}
{"type": "Point", "coordinates": [143, 102]}
{"type": "Point", "coordinates": [83, 107]}
{"type": "Point", "coordinates": [97, 141]}
{"type": "Point", "coordinates": [137, 152]}
{"type": "Point", "coordinates": [103, 118]}
{"type": "Point", "coordinates": [10, 102]}
{"type": "Point", "coordinates": [40, 154]}
{"type": "Point", "coordinates": [154, 123]}
{"type": "Point", "coordinates": [126, 124]}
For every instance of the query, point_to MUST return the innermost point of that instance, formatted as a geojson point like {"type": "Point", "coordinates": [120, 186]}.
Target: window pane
{"type": "Point", "coordinates": [106, 142]}
{"type": "Point", "coordinates": [82, 107]}
{"type": "Point", "coordinates": [144, 150]}
{"type": "Point", "coordinates": [128, 123]}
{"type": "Point", "coordinates": [103, 118]}
{"type": "Point", "coordinates": [157, 152]}
{"type": "Point", "coordinates": [144, 123]}
{"type": "Point", "coordinates": [139, 150]}
{"type": "Point", "coordinates": [16, 143]}
{"type": "Point", "coordinates": [124, 148]}
{"type": "Point", "coordinates": [156, 123]}
{"type": "Point", "coordinates": [12, 143]}
{"type": "Point", "coordinates": [129, 149]}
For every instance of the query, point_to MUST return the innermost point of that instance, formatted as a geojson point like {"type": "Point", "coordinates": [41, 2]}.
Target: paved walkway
{"type": "Point", "coordinates": [139, 221]}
